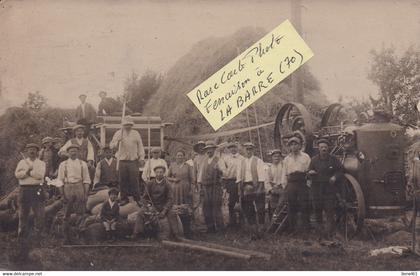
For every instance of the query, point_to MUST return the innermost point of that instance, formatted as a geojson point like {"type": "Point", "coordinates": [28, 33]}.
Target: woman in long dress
{"type": "Point", "coordinates": [180, 175]}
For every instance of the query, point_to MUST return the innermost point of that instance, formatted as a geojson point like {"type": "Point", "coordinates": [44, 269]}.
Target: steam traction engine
{"type": "Point", "coordinates": [372, 153]}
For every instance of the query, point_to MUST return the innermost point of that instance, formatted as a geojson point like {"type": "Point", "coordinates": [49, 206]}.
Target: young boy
{"type": "Point", "coordinates": [110, 213]}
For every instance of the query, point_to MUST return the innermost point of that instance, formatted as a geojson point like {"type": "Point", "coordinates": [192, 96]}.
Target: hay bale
{"type": "Point", "coordinates": [125, 210]}
{"type": "Point", "coordinates": [6, 200]}
{"type": "Point", "coordinates": [97, 198]}
{"type": "Point", "coordinates": [9, 220]}
{"type": "Point", "coordinates": [95, 232]}
{"type": "Point", "coordinates": [384, 226]}
{"type": "Point", "coordinates": [399, 238]}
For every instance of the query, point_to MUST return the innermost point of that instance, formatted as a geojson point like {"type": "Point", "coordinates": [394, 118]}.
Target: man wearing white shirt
{"type": "Point", "coordinates": [30, 173]}
{"type": "Point", "coordinates": [130, 156]}
{"type": "Point", "coordinates": [233, 162]}
{"type": "Point", "coordinates": [296, 165]}
{"type": "Point", "coordinates": [210, 182]}
{"type": "Point", "coordinates": [74, 173]}
{"type": "Point", "coordinates": [149, 167]}
{"type": "Point", "coordinates": [252, 177]}
{"type": "Point", "coordinates": [274, 182]}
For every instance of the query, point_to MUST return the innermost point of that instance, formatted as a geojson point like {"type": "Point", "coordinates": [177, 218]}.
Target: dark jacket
{"type": "Point", "coordinates": [108, 213]}
{"type": "Point", "coordinates": [109, 105]}
{"type": "Point", "coordinates": [160, 195]}
{"type": "Point", "coordinates": [90, 113]}
{"type": "Point", "coordinates": [109, 175]}
{"type": "Point", "coordinates": [325, 168]}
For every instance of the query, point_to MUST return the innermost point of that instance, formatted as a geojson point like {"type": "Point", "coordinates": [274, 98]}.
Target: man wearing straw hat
{"type": "Point", "coordinates": [209, 180]}
{"type": "Point", "coordinates": [30, 173]}
{"type": "Point", "coordinates": [130, 156]}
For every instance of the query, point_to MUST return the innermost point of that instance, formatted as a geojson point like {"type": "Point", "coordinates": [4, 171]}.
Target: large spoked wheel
{"type": "Point", "coordinates": [351, 216]}
{"type": "Point", "coordinates": [331, 115]}
{"type": "Point", "coordinates": [293, 119]}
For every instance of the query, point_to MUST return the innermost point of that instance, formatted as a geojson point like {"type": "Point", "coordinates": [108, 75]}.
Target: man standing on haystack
{"type": "Point", "coordinates": [30, 173]}
{"type": "Point", "coordinates": [130, 156]}
{"type": "Point", "coordinates": [75, 176]}
{"type": "Point", "coordinates": [210, 182]}
{"type": "Point", "coordinates": [251, 177]}
{"type": "Point", "coordinates": [233, 162]}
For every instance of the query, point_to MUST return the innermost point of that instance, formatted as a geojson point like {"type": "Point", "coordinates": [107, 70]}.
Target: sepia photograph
{"type": "Point", "coordinates": [209, 135]}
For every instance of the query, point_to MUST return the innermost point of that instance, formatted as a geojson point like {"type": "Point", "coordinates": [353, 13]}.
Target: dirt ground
{"type": "Point", "coordinates": [288, 253]}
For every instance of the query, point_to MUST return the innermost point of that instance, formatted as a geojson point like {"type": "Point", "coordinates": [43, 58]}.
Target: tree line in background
{"type": "Point", "coordinates": [398, 80]}
{"type": "Point", "coordinates": [397, 77]}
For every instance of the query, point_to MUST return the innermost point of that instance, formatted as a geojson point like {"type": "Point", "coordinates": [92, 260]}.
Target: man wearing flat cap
{"type": "Point", "coordinates": [325, 170]}
{"type": "Point", "coordinates": [274, 182]}
{"type": "Point", "coordinates": [159, 195]}
{"type": "Point", "coordinates": [199, 158]}
{"type": "Point", "coordinates": [149, 167]}
{"type": "Point", "coordinates": [251, 176]}
{"type": "Point", "coordinates": [86, 152]}
{"type": "Point", "coordinates": [210, 183]}
{"type": "Point", "coordinates": [49, 155]}
{"type": "Point", "coordinates": [85, 113]}
{"type": "Point", "coordinates": [130, 156]}
{"type": "Point", "coordinates": [74, 174]}
{"type": "Point", "coordinates": [106, 170]}
{"type": "Point", "coordinates": [296, 165]}
{"type": "Point", "coordinates": [30, 173]}
{"type": "Point", "coordinates": [233, 162]}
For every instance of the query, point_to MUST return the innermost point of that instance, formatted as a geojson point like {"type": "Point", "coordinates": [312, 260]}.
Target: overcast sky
{"type": "Point", "coordinates": [64, 48]}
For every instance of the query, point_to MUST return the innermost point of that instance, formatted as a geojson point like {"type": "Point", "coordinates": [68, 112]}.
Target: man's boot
{"type": "Point", "coordinates": [211, 229]}
{"type": "Point", "coordinates": [232, 219]}
{"type": "Point", "coordinates": [113, 235]}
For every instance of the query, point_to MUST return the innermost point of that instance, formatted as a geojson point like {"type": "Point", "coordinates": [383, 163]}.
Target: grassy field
{"type": "Point", "coordinates": [287, 254]}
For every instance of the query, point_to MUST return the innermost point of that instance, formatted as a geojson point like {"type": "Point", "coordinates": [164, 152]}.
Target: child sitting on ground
{"type": "Point", "coordinates": [110, 213]}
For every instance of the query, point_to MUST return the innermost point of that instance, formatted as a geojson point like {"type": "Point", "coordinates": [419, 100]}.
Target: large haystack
{"type": "Point", "coordinates": [204, 59]}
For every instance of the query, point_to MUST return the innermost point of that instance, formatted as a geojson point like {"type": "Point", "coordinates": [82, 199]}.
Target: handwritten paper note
{"type": "Point", "coordinates": [250, 75]}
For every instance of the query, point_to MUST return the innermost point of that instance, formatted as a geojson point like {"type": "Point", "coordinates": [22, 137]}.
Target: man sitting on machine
{"type": "Point", "coordinates": [157, 209]}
